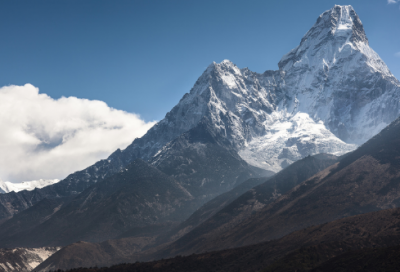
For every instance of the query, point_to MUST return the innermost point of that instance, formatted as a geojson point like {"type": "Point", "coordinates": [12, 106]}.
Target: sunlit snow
{"type": "Point", "coordinates": [6, 186]}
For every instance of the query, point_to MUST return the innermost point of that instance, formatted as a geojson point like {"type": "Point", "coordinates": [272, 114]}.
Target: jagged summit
{"type": "Point", "coordinates": [337, 33]}
{"type": "Point", "coordinates": [344, 21]}
{"type": "Point", "coordinates": [329, 90]}
{"type": "Point", "coordinates": [336, 77]}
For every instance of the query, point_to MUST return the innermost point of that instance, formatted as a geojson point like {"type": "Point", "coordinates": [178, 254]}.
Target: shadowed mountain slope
{"type": "Point", "coordinates": [141, 197]}
{"type": "Point", "coordinates": [207, 210]}
{"type": "Point", "coordinates": [290, 176]}
{"type": "Point", "coordinates": [226, 212]}
{"type": "Point", "coordinates": [33, 216]}
{"type": "Point", "coordinates": [365, 180]}
{"type": "Point", "coordinates": [323, 242]}
{"type": "Point", "coordinates": [98, 254]}
{"type": "Point", "coordinates": [13, 203]}
{"type": "Point", "coordinates": [204, 162]}
{"type": "Point", "coordinates": [364, 260]}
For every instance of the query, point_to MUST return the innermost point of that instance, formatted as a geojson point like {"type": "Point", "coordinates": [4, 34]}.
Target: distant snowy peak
{"type": "Point", "coordinates": [6, 186]}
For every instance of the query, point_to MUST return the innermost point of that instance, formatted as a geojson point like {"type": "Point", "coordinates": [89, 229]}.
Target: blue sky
{"type": "Point", "coordinates": [142, 56]}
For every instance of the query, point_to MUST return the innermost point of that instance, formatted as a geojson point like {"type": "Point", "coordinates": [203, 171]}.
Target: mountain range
{"type": "Point", "coordinates": [330, 94]}
{"type": "Point", "coordinates": [234, 162]}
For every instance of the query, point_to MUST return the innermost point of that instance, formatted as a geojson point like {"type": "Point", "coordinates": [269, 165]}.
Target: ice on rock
{"type": "Point", "coordinates": [291, 139]}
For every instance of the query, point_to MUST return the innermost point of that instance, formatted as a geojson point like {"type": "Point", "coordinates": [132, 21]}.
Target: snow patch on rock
{"type": "Point", "coordinates": [24, 259]}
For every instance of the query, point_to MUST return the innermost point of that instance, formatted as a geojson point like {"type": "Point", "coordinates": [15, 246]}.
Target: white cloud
{"type": "Point", "coordinates": [397, 54]}
{"type": "Point", "coordinates": [46, 138]}
{"type": "Point", "coordinates": [392, 1]}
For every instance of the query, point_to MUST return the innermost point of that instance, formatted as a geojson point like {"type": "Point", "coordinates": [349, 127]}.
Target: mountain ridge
{"type": "Point", "coordinates": [191, 170]}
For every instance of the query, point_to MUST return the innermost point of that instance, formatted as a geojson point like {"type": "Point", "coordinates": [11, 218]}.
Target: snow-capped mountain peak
{"type": "Point", "coordinates": [337, 34]}
{"type": "Point", "coordinates": [335, 76]}
{"type": "Point", "coordinates": [332, 84]}
{"type": "Point", "coordinates": [331, 93]}
{"type": "Point", "coordinates": [7, 187]}
{"type": "Point", "coordinates": [249, 111]}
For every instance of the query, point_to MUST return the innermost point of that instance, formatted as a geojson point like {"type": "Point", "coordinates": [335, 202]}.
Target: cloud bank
{"type": "Point", "coordinates": [44, 138]}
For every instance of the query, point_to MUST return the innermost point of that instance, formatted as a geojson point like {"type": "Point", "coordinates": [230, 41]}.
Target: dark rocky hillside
{"type": "Point", "coordinates": [33, 216]}
{"type": "Point", "coordinates": [287, 177]}
{"type": "Point", "coordinates": [204, 162]}
{"type": "Point", "coordinates": [195, 168]}
{"type": "Point", "coordinates": [313, 247]}
{"type": "Point", "coordinates": [245, 205]}
{"type": "Point", "coordinates": [13, 203]}
{"type": "Point", "coordinates": [139, 196]}
{"type": "Point", "coordinates": [208, 209]}
{"type": "Point", "coordinates": [364, 260]}
{"type": "Point", "coordinates": [365, 180]}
